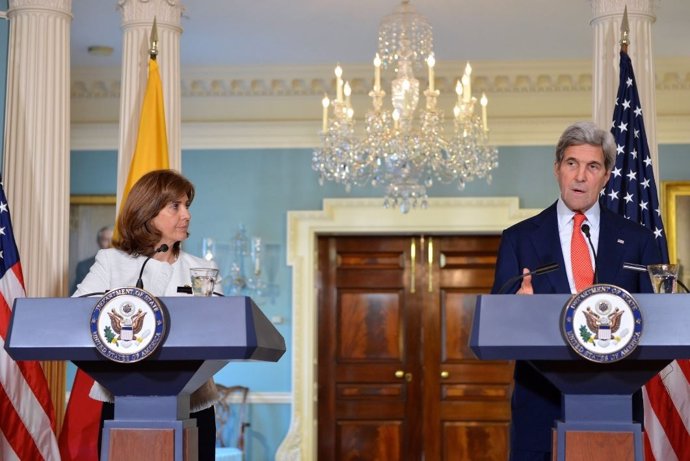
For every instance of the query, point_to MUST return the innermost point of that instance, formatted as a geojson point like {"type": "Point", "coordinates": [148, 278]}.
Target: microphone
{"type": "Point", "coordinates": [188, 290]}
{"type": "Point", "coordinates": [635, 267]}
{"type": "Point", "coordinates": [642, 268]}
{"type": "Point", "coordinates": [538, 271]}
{"type": "Point", "coordinates": [161, 249]}
{"type": "Point", "coordinates": [585, 230]}
{"type": "Point", "coordinates": [95, 293]}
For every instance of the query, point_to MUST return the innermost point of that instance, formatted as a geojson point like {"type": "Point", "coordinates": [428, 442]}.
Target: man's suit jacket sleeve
{"type": "Point", "coordinates": [506, 264]}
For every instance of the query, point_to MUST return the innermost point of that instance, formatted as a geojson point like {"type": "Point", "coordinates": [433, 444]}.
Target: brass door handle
{"type": "Point", "coordinates": [445, 374]}
{"type": "Point", "coordinates": [430, 261]}
{"type": "Point", "coordinates": [401, 374]}
{"type": "Point", "coordinates": [413, 266]}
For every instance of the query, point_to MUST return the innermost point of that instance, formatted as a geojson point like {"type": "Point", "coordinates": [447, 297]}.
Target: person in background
{"type": "Point", "coordinates": [153, 222]}
{"type": "Point", "coordinates": [585, 156]}
{"type": "Point", "coordinates": [104, 239]}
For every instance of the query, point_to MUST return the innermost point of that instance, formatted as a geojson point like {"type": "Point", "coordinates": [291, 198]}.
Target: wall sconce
{"type": "Point", "coordinates": [248, 265]}
{"type": "Point", "coordinates": [247, 258]}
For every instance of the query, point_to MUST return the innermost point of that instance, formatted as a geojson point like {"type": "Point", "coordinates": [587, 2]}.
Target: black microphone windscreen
{"type": "Point", "coordinates": [585, 229]}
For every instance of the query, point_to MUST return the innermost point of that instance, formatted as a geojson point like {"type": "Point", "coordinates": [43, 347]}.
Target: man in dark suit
{"type": "Point", "coordinates": [585, 156]}
{"type": "Point", "coordinates": [104, 239]}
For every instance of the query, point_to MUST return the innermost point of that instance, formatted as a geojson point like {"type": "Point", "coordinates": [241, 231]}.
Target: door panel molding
{"type": "Point", "coordinates": [458, 216]}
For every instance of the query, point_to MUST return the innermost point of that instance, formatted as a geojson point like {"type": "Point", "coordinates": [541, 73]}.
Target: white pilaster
{"type": "Point", "coordinates": [37, 128]}
{"type": "Point", "coordinates": [137, 20]}
{"type": "Point", "coordinates": [607, 16]}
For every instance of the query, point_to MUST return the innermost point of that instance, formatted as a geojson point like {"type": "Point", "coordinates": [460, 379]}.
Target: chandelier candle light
{"type": "Point", "coordinates": [403, 152]}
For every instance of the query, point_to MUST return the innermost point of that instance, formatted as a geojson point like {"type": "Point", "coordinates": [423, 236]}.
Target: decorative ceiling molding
{"type": "Point", "coordinates": [491, 77]}
{"type": "Point", "coordinates": [223, 108]}
{"type": "Point", "coordinates": [519, 131]}
{"type": "Point", "coordinates": [613, 7]}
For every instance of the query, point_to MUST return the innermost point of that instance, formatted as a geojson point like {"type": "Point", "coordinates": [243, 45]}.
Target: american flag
{"type": "Point", "coordinates": [27, 423]}
{"type": "Point", "coordinates": [631, 192]}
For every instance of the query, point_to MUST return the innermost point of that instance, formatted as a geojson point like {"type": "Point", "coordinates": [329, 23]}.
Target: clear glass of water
{"type": "Point", "coordinates": [203, 280]}
{"type": "Point", "coordinates": [664, 277]}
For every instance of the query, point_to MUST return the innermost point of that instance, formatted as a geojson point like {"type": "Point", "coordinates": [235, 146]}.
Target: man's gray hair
{"type": "Point", "coordinates": [581, 133]}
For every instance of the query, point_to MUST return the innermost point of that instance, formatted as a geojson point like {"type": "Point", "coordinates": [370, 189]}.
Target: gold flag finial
{"type": "Point", "coordinates": [153, 51]}
{"type": "Point", "coordinates": [625, 30]}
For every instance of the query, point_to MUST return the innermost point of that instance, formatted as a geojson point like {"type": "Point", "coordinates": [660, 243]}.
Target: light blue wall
{"type": "Point", "coordinates": [674, 161]}
{"type": "Point", "coordinates": [258, 187]}
{"type": "Point", "coordinates": [93, 173]}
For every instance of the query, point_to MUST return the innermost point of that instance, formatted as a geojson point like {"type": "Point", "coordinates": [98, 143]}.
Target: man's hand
{"type": "Point", "coordinates": [526, 285]}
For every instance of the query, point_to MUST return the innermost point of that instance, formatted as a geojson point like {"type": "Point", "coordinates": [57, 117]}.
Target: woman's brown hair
{"type": "Point", "coordinates": [150, 194]}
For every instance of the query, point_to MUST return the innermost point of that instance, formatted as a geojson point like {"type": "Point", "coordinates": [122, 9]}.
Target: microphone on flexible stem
{"type": "Point", "coordinates": [538, 271]}
{"type": "Point", "coordinates": [95, 293]}
{"type": "Point", "coordinates": [642, 268]}
{"type": "Point", "coordinates": [188, 290]}
{"type": "Point", "coordinates": [635, 267]}
{"type": "Point", "coordinates": [161, 249]}
{"type": "Point", "coordinates": [585, 230]}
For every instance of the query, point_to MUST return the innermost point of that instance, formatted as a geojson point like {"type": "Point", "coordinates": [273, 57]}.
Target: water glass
{"type": "Point", "coordinates": [664, 277]}
{"type": "Point", "coordinates": [203, 280]}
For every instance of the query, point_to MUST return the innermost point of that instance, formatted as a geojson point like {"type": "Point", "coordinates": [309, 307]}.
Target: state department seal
{"type": "Point", "coordinates": [602, 323]}
{"type": "Point", "coordinates": [127, 324]}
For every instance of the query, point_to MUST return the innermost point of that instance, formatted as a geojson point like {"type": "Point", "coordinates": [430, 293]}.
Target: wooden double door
{"type": "Point", "coordinates": [396, 378]}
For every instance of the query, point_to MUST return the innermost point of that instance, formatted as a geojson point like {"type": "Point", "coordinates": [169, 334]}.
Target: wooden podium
{"type": "Point", "coordinates": [151, 396]}
{"type": "Point", "coordinates": [597, 398]}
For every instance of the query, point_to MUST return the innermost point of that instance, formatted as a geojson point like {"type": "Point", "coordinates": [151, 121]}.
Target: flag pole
{"type": "Point", "coordinates": [625, 31]}
{"type": "Point", "coordinates": [664, 436]}
{"type": "Point", "coordinates": [153, 40]}
{"type": "Point", "coordinates": [79, 437]}
{"type": "Point", "coordinates": [151, 147]}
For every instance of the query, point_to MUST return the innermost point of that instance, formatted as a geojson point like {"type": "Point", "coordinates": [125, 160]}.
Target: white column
{"type": "Point", "coordinates": [137, 20]}
{"type": "Point", "coordinates": [37, 148]}
{"type": "Point", "coordinates": [607, 16]}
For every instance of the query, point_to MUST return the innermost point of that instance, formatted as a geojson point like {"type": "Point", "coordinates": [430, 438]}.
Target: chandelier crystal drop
{"type": "Point", "coordinates": [403, 149]}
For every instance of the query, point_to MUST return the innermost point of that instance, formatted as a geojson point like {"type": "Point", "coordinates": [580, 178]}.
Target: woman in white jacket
{"type": "Point", "coordinates": [152, 223]}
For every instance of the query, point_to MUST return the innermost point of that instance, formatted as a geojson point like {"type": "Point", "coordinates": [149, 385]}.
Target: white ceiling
{"type": "Point", "coordinates": [315, 32]}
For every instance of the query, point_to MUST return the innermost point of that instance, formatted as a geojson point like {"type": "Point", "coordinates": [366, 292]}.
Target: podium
{"type": "Point", "coordinates": [152, 395]}
{"type": "Point", "coordinates": [597, 397]}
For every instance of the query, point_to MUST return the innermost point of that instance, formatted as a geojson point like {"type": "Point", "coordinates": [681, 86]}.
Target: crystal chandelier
{"type": "Point", "coordinates": [400, 150]}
